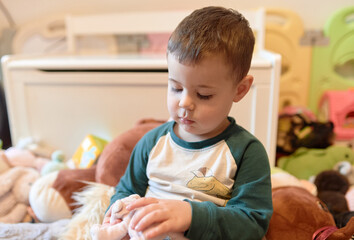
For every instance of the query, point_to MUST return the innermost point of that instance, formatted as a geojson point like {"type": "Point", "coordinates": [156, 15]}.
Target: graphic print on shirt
{"type": "Point", "coordinates": [204, 181]}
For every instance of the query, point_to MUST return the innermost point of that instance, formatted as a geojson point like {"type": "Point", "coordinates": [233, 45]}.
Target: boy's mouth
{"type": "Point", "coordinates": [186, 121]}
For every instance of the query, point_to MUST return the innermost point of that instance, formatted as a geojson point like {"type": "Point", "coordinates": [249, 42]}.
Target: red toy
{"type": "Point", "coordinates": [338, 107]}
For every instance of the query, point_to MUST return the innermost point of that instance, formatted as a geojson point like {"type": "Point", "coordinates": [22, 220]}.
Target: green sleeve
{"type": "Point", "coordinates": [248, 212]}
{"type": "Point", "coordinates": [134, 180]}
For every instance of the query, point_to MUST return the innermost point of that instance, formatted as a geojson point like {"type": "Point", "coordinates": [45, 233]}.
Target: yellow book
{"type": "Point", "coordinates": [88, 152]}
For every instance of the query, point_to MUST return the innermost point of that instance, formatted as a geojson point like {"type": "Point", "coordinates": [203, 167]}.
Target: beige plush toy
{"type": "Point", "coordinates": [22, 157]}
{"type": "Point", "coordinates": [15, 184]}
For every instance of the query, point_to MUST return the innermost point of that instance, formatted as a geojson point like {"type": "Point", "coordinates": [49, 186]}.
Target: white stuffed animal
{"type": "Point", "coordinates": [118, 231]}
{"type": "Point", "coordinates": [15, 185]}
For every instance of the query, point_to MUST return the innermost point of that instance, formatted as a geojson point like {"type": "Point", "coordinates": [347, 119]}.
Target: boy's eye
{"type": "Point", "coordinates": [204, 97]}
{"type": "Point", "coordinates": [176, 89]}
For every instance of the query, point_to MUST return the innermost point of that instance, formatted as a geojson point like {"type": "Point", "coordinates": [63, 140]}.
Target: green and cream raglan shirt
{"type": "Point", "coordinates": [226, 179]}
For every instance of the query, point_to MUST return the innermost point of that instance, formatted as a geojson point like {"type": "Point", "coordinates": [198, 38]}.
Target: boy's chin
{"type": "Point", "coordinates": [190, 134]}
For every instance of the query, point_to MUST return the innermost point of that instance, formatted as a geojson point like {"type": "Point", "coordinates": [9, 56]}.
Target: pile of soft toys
{"type": "Point", "coordinates": [20, 167]}
{"type": "Point", "coordinates": [299, 212]}
{"type": "Point", "coordinates": [306, 150]}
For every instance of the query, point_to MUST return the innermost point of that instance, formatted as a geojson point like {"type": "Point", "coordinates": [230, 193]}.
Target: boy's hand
{"type": "Point", "coordinates": [160, 216]}
{"type": "Point", "coordinates": [107, 217]}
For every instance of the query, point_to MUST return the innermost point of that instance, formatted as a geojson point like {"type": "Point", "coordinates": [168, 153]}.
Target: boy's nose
{"type": "Point", "coordinates": [186, 102]}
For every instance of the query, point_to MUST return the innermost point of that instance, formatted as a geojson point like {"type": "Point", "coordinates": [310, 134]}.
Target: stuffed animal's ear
{"type": "Point", "coordinates": [344, 233]}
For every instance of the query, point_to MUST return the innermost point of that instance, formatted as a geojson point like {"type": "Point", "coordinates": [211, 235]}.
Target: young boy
{"type": "Point", "coordinates": [202, 174]}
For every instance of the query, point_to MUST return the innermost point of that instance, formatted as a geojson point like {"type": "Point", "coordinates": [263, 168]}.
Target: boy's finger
{"type": "Point", "coordinates": [142, 202]}
{"type": "Point", "coordinates": [106, 220]}
{"type": "Point", "coordinates": [150, 219]}
{"type": "Point", "coordinates": [160, 229]}
{"type": "Point", "coordinates": [116, 221]}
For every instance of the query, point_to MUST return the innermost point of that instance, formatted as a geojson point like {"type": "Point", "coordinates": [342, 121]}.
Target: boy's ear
{"type": "Point", "coordinates": [243, 87]}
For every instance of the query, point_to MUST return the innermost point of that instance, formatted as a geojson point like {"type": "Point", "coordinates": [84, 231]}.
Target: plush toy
{"type": "Point", "coordinates": [350, 198]}
{"type": "Point", "coordinates": [47, 205]}
{"type": "Point", "coordinates": [315, 135]}
{"type": "Point", "coordinates": [298, 127]}
{"type": "Point", "coordinates": [305, 162]}
{"type": "Point", "coordinates": [346, 169]}
{"type": "Point", "coordinates": [15, 186]}
{"type": "Point", "coordinates": [117, 231]}
{"type": "Point", "coordinates": [93, 200]}
{"type": "Point", "coordinates": [22, 157]}
{"type": "Point", "coordinates": [300, 215]}
{"type": "Point", "coordinates": [332, 188]}
{"type": "Point", "coordinates": [115, 156]}
{"type": "Point", "coordinates": [281, 178]}
{"type": "Point", "coordinates": [57, 163]}
{"type": "Point", "coordinates": [114, 230]}
{"type": "Point", "coordinates": [109, 169]}
{"type": "Point", "coordinates": [331, 180]}
{"type": "Point", "coordinates": [35, 146]}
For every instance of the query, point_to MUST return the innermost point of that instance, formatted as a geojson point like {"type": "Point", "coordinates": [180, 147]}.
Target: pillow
{"type": "Point", "coordinates": [115, 156]}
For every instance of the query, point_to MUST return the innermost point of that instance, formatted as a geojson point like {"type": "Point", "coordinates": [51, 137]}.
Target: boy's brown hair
{"type": "Point", "coordinates": [214, 30]}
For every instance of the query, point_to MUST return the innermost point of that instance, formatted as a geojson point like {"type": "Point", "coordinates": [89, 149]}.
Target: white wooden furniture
{"type": "Point", "coordinates": [58, 100]}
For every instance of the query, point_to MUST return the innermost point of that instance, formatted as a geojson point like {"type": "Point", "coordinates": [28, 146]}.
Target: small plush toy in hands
{"type": "Point", "coordinates": [119, 227]}
{"type": "Point", "coordinates": [116, 229]}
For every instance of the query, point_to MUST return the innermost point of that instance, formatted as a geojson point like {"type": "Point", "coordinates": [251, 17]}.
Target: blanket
{"type": "Point", "coordinates": [30, 231]}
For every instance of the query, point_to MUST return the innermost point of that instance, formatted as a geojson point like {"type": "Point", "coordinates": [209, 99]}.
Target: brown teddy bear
{"type": "Point", "coordinates": [300, 215]}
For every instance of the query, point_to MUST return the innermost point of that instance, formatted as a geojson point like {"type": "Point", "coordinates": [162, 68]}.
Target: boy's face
{"type": "Point", "coordinates": [200, 96]}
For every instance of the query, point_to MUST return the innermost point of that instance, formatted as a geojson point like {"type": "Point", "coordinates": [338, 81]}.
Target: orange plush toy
{"type": "Point", "coordinates": [300, 215]}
